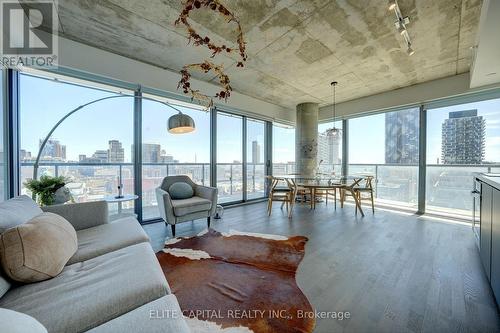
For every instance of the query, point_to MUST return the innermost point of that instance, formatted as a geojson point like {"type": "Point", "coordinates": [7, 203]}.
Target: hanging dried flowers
{"type": "Point", "coordinates": [199, 40]}
{"type": "Point", "coordinates": [205, 67]}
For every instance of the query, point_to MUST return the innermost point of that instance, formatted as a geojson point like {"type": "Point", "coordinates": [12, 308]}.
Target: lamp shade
{"type": "Point", "coordinates": [181, 123]}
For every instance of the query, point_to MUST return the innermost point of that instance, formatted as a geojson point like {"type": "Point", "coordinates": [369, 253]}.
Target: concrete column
{"type": "Point", "coordinates": [306, 139]}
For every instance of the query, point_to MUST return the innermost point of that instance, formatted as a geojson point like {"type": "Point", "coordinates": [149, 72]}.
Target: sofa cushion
{"type": "Point", "coordinates": [160, 316]}
{"type": "Point", "coordinates": [38, 249]}
{"type": "Point", "coordinates": [88, 294]}
{"type": "Point", "coordinates": [180, 190]}
{"type": "Point", "coordinates": [191, 205]}
{"type": "Point", "coordinates": [16, 322]}
{"type": "Point", "coordinates": [17, 211]}
{"type": "Point", "coordinates": [105, 238]}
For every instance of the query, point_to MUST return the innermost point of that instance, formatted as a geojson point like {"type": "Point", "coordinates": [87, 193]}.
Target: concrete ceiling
{"type": "Point", "coordinates": [296, 47]}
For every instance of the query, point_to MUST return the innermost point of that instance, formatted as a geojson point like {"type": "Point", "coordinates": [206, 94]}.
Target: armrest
{"type": "Point", "coordinates": [82, 215]}
{"type": "Point", "coordinates": [209, 193]}
{"type": "Point", "coordinates": [165, 205]}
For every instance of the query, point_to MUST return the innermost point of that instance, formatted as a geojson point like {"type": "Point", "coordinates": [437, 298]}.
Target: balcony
{"type": "Point", "coordinates": [448, 186]}
{"type": "Point", "coordinates": [94, 181]}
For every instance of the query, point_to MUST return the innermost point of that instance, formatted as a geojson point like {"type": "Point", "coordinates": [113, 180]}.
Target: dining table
{"type": "Point", "coordinates": [326, 182]}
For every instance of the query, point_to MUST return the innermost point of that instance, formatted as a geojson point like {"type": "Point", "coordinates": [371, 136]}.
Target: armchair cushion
{"type": "Point", "coordinates": [192, 205]}
{"type": "Point", "coordinates": [180, 190]}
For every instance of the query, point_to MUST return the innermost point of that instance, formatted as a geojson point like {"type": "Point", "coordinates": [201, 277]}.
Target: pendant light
{"type": "Point", "coordinates": [334, 131]}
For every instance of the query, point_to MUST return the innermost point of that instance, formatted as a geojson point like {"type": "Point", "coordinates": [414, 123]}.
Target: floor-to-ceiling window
{"type": "Point", "coordinates": [256, 171]}
{"type": "Point", "coordinates": [229, 157]}
{"type": "Point", "coordinates": [461, 140]}
{"type": "Point", "coordinates": [386, 146]}
{"type": "Point", "coordinates": [165, 154]}
{"type": "Point", "coordinates": [3, 151]}
{"type": "Point", "coordinates": [283, 149]}
{"type": "Point", "coordinates": [330, 148]}
{"type": "Point", "coordinates": [91, 148]}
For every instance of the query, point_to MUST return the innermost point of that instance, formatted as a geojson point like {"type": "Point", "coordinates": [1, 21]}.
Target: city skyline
{"type": "Point", "coordinates": [115, 120]}
{"type": "Point", "coordinates": [152, 153]}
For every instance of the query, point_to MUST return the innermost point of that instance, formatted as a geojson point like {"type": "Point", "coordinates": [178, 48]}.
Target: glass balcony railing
{"type": "Point", "coordinates": [396, 185]}
{"type": "Point", "coordinates": [94, 181]}
{"type": "Point", "coordinates": [447, 186]}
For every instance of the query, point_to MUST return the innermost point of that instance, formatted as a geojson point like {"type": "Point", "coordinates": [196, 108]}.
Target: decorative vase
{"type": "Point", "coordinates": [219, 211]}
{"type": "Point", "coordinates": [62, 195]}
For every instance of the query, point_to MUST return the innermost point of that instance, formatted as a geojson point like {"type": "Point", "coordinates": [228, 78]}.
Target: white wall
{"type": "Point", "coordinates": [417, 94]}
{"type": "Point", "coordinates": [486, 69]}
{"type": "Point", "coordinates": [91, 60]}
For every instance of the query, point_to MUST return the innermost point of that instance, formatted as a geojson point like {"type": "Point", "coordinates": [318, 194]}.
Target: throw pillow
{"type": "Point", "coordinates": [17, 322]}
{"type": "Point", "coordinates": [17, 211]}
{"type": "Point", "coordinates": [180, 190]}
{"type": "Point", "coordinates": [38, 249]}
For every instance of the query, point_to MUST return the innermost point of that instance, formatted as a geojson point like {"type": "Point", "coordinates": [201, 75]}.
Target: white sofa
{"type": "Point", "coordinates": [113, 283]}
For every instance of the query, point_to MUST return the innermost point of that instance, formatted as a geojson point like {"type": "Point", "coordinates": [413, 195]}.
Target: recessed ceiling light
{"type": "Point", "coordinates": [401, 29]}
{"type": "Point", "coordinates": [392, 4]}
{"type": "Point", "coordinates": [410, 51]}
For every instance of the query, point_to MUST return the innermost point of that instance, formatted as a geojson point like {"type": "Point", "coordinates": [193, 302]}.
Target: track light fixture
{"type": "Point", "coordinates": [401, 29]}
{"type": "Point", "coordinates": [401, 23]}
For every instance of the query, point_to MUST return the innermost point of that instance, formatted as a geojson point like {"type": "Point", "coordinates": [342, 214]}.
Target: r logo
{"type": "Point", "coordinates": [19, 24]}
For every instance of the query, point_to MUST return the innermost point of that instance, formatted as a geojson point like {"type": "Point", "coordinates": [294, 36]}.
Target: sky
{"type": "Point", "coordinates": [44, 102]}
{"type": "Point", "coordinates": [91, 128]}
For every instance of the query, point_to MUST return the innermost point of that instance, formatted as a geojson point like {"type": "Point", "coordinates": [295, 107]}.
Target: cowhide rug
{"type": "Point", "coordinates": [238, 282]}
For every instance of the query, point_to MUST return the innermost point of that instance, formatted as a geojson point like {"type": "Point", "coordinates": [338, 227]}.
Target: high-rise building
{"type": "Point", "coordinates": [168, 159]}
{"type": "Point", "coordinates": [329, 148]}
{"type": "Point", "coordinates": [53, 150]}
{"type": "Point", "coordinates": [463, 138]}
{"type": "Point", "coordinates": [151, 153]}
{"type": "Point", "coordinates": [116, 153]}
{"type": "Point", "coordinates": [101, 155]}
{"type": "Point", "coordinates": [255, 152]}
{"type": "Point", "coordinates": [401, 136]}
{"type": "Point", "coordinates": [24, 155]}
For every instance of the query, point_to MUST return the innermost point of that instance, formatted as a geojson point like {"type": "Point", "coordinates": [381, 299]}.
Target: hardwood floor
{"type": "Point", "coordinates": [393, 272]}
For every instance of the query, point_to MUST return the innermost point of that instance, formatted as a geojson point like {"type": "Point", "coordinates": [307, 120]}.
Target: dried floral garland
{"type": "Point", "coordinates": [198, 40]}
{"type": "Point", "coordinates": [205, 67]}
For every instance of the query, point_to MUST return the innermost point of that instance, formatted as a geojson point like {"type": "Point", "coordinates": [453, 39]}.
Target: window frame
{"type": "Point", "coordinates": [87, 80]}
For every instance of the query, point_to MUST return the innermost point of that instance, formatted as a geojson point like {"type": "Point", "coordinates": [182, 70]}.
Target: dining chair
{"type": "Point", "coordinates": [350, 190]}
{"type": "Point", "coordinates": [326, 193]}
{"type": "Point", "coordinates": [284, 194]}
{"type": "Point", "coordinates": [302, 192]}
{"type": "Point", "coordinates": [367, 188]}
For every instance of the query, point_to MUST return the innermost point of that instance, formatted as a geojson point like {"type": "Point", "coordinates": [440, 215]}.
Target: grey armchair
{"type": "Point", "coordinates": [201, 205]}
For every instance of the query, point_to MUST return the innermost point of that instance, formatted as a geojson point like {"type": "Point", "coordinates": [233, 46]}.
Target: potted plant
{"type": "Point", "coordinates": [49, 190]}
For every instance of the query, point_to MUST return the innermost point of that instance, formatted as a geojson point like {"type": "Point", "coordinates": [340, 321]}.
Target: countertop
{"type": "Point", "coordinates": [491, 179]}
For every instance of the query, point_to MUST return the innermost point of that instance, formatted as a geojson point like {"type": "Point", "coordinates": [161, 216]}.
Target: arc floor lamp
{"type": "Point", "coordinates": [179, 123]}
